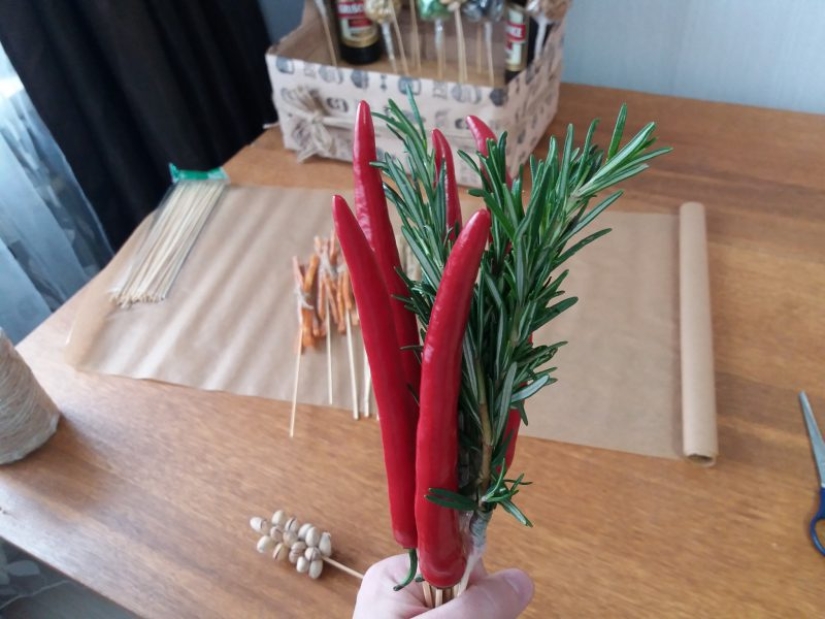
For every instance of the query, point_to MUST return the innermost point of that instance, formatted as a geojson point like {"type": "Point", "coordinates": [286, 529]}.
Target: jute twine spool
{"type": "Point", "coordinates": [28, 417]}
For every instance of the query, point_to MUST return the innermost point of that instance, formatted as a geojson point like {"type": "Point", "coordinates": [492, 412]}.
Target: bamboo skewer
{"type": "Point", "coordinates": [439, 48]}
{"type": "Point", "coordinates": [389, 46]}
{"type": "Point", "coordinates": [326, 292]}
{"type": "Point", "coordinates": [343, 568]}
{"type": "Point", "coordinates": [346, 307]}
{"type": "Point", "coordinates": [415, 40]}
{"type": "Point", "coordinates": [294, 410]}
{"type": "Point", "coordinates": [400, 39]}
{"type": "Point", "coordinates": [365, 405]}
{"type": "Point", "coordinates": [428, 594]}
{"type": "Point", "coordinates": [299, 299]}
{"type": "Point", "coordinates": [479, 48]}
{"type": "Point", "coordinates": [351, 356]}
{"type": "Point", "coordinates": [488, 44]}
{"type": "Point", "coordinates": [329, 355]}
{"type": "Point", "coordinates": [462, 51]}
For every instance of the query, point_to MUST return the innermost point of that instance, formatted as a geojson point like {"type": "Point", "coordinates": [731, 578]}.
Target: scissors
{"type": "Point", "coordinates": [818, 448]}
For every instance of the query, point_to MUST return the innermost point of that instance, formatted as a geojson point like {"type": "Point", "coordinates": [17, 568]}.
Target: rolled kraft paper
{"type": "Point", "coordinates": [698, 390]}
{"type": "Point", "coordinates": [28, 417]}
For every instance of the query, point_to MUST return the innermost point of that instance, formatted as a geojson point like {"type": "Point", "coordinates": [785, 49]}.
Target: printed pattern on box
{"type": "Point", "coordinates": [316, 105]}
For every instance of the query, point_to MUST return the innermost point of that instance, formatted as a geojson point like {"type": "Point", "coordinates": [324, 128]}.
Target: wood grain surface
{"type": "Point", "coordinates": [145, 491]}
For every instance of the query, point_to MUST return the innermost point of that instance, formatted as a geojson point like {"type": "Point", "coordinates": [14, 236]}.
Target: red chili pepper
{"type": "Point", "coordinates": [481, 133]}
{"type": "Point", "coordinates": [396, 403]}
{"type": "Point", "coordinates": [444, 154]}
{"type": "Point", "coordinates": [373, 216]}
{"type": "Point", "coordinates": [440, 547]}
{"type": "Point", "coordinates": [511, 429]}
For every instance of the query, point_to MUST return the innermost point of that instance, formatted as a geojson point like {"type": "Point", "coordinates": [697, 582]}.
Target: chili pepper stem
{"type": "Point", "coordinates": [413, 555]}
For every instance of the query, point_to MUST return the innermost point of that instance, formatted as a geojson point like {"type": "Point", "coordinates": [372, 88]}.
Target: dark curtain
{"type": "Point", "coordinates": [128, 86]}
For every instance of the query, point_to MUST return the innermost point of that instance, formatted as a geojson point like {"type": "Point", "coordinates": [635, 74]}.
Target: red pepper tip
{"type": "Point", "coordinates": [363, 113]}
{"type": "Point", "coordinates": [339, 204]}
{"type": "Point", "coordinates": [482, 216]}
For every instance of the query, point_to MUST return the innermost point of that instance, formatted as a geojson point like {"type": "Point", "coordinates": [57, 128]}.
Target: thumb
{"type": "Point", "coordinates": [504, 595]}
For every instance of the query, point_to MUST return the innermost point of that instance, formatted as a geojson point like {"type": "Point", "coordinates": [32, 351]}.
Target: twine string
{"type": "Point", "coordinates": [28, 417]}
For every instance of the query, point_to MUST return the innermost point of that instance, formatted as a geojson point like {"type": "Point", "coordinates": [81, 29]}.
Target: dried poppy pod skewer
{"type": "Point", "coordinates": [306, 546]}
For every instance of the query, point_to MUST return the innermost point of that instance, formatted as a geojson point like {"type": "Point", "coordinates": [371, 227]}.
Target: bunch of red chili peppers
{"type": "Point", "coordinates": [439, 511]}
{"type": "Point", "coordinates": [420, 438]}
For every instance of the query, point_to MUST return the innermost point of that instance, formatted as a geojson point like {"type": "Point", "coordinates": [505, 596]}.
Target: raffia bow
{"type": "Point", "coordinates": [307, 121]}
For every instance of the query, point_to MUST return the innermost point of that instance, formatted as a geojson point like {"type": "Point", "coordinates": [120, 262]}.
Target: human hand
{"type": "Point", "coordinates": [503, 595]}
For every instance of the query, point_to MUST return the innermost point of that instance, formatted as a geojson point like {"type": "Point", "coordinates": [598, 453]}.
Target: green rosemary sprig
{"type": "Point", "coordinates": [520, 281]}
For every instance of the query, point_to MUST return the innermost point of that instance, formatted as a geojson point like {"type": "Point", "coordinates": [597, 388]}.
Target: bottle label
{"type": "Point", "coordinates": [356, 29]}
{"type": "Point", "coordinates": [516, 38]}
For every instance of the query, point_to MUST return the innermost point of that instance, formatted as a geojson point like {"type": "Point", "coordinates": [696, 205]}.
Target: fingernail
{"type": "Point", "coordinates": [521, 584]}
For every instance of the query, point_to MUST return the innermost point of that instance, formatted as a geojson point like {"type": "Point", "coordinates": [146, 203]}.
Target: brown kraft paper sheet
{"type": "Point", "coordinates": [230, 324]}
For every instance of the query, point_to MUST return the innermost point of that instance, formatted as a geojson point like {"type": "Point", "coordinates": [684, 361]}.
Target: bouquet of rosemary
{"type": "Point", "coordinates": [451, 403]}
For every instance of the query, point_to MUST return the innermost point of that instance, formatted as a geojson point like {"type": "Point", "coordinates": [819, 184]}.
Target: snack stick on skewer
{"type": "Point", "coordinates": [325, 293]}
{"type": "Point", "coordinates": [307, 309]}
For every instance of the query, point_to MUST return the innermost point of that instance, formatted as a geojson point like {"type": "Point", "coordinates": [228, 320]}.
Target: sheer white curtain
{"type": "Point", "coordinates": [51, 242]}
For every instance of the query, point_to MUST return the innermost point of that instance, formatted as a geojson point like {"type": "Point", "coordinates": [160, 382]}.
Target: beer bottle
{"type": "Point", "coordinates": [359, 37]}
{"type": "Point", "coordinates": [520, 35]}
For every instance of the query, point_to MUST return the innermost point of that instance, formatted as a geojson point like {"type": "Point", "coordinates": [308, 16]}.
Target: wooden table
{"type": "Point", "coordinates": [145, 492]}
